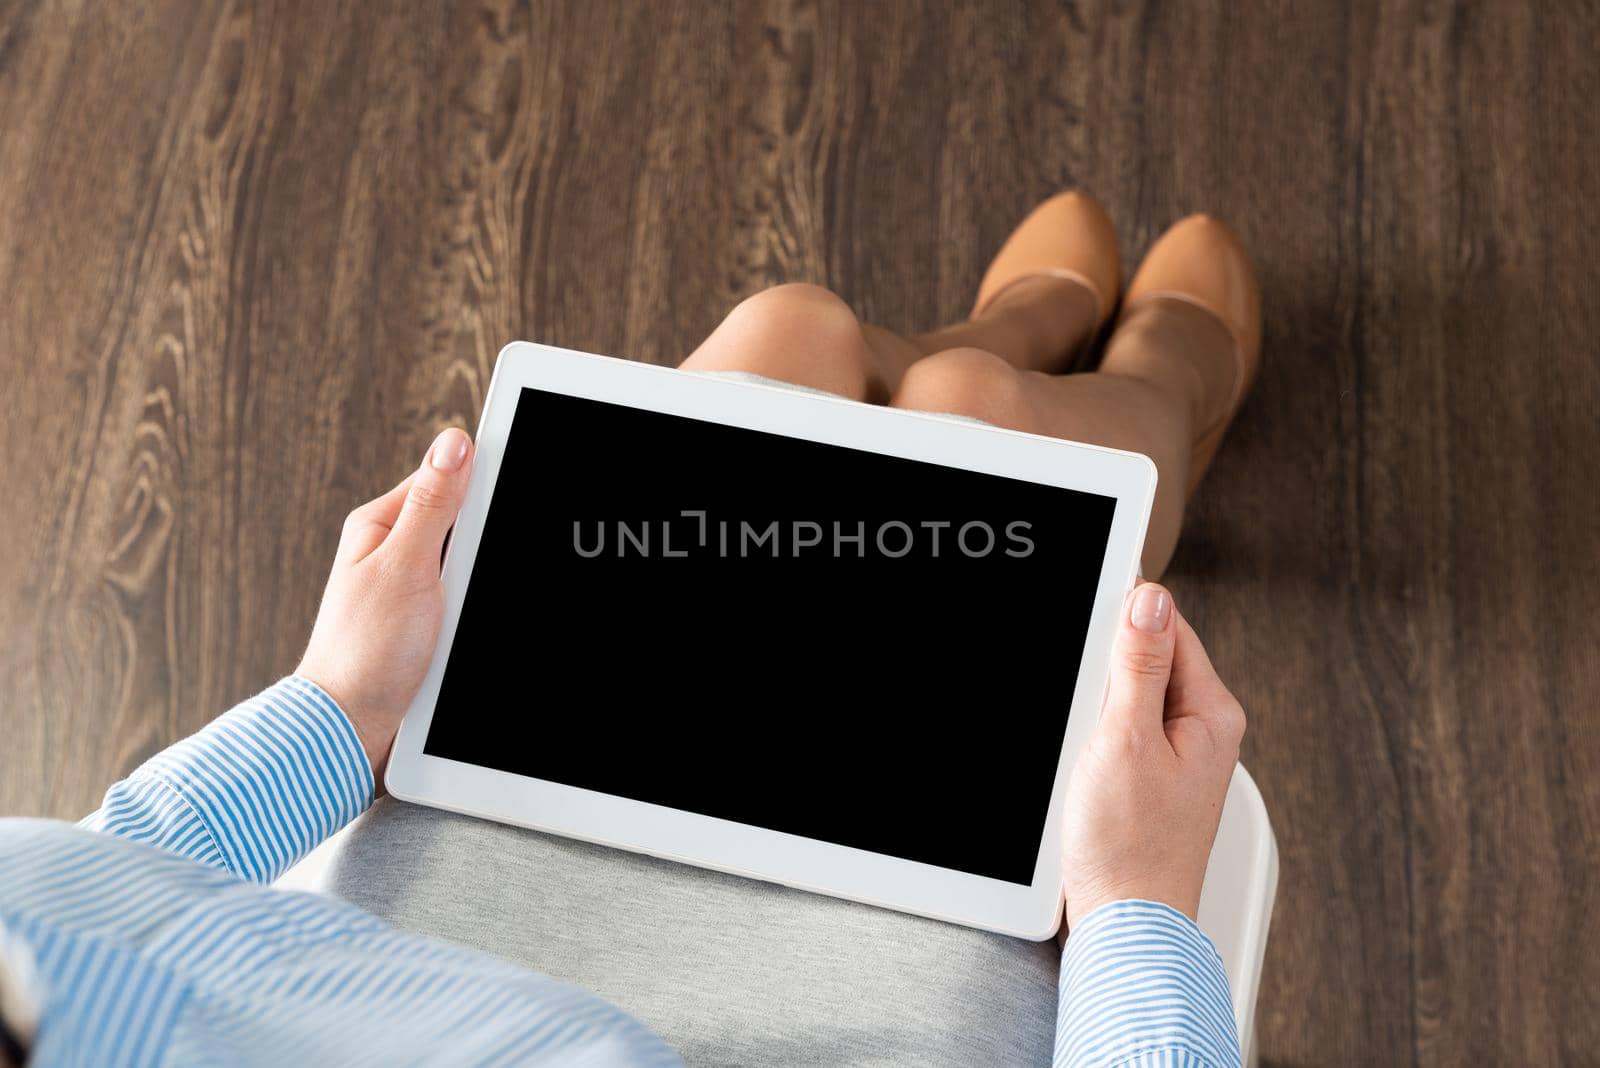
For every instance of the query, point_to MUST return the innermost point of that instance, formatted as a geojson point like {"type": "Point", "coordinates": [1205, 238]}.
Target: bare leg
{"type": "Point", "coordinates": [1169, 358]}
{"type": "Point", "coordinates": [1036, 324]}
{"type": "Point", "coordinates": [806, 335]}
{"type": "Point", "coordinates": [1172, 377]}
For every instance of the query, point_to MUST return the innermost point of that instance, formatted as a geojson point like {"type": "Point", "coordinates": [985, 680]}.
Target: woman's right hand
{"type": "Point", "coordinates": [1146, 794]}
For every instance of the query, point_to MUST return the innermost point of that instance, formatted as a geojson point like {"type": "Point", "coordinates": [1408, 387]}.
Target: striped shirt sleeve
{"type": "Point", "coordinates": [252, 793]}
{"type": "Point", "coordinates": [1142, 986]}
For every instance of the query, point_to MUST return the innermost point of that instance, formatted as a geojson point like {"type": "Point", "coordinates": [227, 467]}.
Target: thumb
{"type": "Point", "coordinates": [1141, 661]}
{"type": "Point", "coordinates": [435, 496]}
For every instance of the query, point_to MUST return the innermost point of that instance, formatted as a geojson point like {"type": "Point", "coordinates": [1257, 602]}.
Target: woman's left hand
{"type": "Point", "coordinates": [1147, 792]}
{"type": "Point", "coordinates": [379, 621]}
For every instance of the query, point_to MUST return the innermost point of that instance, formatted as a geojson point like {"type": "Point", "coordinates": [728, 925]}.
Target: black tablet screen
{"type": "Point", "coordinates": [852, 647]}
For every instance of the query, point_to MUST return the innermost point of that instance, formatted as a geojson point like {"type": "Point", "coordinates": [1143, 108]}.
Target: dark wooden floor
{"type": "Point", "coordinates": [252, 257]}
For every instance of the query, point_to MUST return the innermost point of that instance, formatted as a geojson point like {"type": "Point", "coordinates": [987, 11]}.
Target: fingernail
{"type": "Point", "coordinates": [1152, 607]}
{"type": "Point", "coordinates": [449, 449]}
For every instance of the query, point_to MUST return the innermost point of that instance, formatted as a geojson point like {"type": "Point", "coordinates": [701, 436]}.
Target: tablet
{"type": "Point", "coordinates": [843, 647]}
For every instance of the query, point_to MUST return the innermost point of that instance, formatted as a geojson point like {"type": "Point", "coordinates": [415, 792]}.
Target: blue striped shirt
{"type": "Point", "coordinates": [149, 934]}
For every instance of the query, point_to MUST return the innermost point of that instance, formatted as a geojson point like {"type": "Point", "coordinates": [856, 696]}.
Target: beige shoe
{"type": "Point", "coordinates": [1068, 236]}
{"type": "Point", "coordinates": [1202, 262]}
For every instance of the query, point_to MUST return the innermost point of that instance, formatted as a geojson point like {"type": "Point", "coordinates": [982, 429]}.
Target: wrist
{"type": "Point", "coordinates": [375, 742]}
{"type": "Point", "coordinates": [1085, 902]}
{"type": "Point", "coordinates": [1114, 905]}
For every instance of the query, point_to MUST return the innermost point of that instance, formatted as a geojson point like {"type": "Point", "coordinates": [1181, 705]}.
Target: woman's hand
{"type": "Point", "coordinates": [1147, 792]}
{"type": "Point", "coordinates": [380, 615]}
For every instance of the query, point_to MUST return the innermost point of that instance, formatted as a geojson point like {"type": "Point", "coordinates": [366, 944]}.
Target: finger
{"type": "Point", "coordinates": [1193, 677]}
{"type": "Point", "coordinates": [434, 498]}
{"type": "Point", "coordinates": [1199, 706]}
{"type": "Point", "coordinates": [367, 526]}
{"type": "Point", "coordinates": [1141, 661]}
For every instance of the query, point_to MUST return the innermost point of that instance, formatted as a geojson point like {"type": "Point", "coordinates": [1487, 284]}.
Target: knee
{"type": "Point", "coordinates": [795, 304]}
{"type": "Point", "coordinates": [970, 382]}
{"type": "Point", "coordinates": [800, 333]}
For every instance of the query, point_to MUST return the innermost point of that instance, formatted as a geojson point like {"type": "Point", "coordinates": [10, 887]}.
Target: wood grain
{"type": "Point", "coordinates": [254, 255]}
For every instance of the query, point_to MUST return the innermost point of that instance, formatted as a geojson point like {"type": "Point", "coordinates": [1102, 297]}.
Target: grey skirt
{"type": "Point", "coordinates": [727, 970]}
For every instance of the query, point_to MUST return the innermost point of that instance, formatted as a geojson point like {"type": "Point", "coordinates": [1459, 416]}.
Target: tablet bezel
{"type": "Point", "coordinates": [1031, 911]}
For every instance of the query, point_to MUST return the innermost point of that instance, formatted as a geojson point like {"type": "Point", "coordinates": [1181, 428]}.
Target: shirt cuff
{"type": "Point", "coordinates": [270, 779]}
{"type": "Point", "coordinates": [1141, 984]}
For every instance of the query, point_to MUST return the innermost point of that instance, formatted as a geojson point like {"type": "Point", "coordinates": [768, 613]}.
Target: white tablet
{"type": "Point", "coordinates": [843, 647]}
